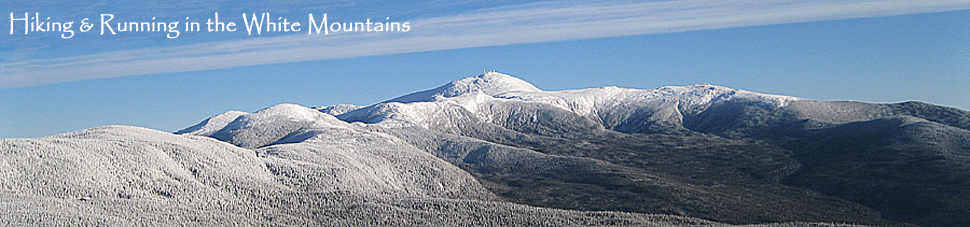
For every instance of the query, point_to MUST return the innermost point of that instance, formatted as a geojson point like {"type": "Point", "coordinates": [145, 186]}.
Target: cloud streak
{"type": "Point", "coordinates": [531, 23]}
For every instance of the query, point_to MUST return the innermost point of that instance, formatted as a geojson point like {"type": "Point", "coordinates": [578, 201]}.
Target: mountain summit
{"type": "Point", "coordinates": [493, 149]}
{"type": "Point", "coordinates": [489, 83]}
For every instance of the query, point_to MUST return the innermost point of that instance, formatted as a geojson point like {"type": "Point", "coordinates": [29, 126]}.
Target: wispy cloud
{"type": "Point", "coordinates": [531, 23]}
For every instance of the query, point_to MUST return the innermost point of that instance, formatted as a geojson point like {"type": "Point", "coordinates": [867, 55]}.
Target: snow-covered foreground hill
{"type": "Point", "coordinates": [495, 150]}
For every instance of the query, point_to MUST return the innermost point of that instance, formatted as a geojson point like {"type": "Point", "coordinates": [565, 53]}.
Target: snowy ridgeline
{"type": "Point", "coordinates": [490, 95]}
{"type": "Point", "coordinates": [485, 150]}
{"type": "Point", "coordinates": [494, 97]}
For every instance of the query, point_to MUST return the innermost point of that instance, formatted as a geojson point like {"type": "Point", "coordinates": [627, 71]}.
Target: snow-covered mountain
{"type": "Point", "coordinates": [488, 96]}
{"type": "Point", "coordinates": [495, 150]}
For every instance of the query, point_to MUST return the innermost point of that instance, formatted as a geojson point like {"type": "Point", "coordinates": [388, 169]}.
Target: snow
{"type": "Point", "coordinates": [611, 106]}
{"type": "Point", "coordinates": [212, 124]}
{"type": "Point", "coordinates": [490, 83]}
{"type": "Point", "coordinates": [286, 111]}
{"type": "Point", "coordinates": [593, 100]}
{"type": "Point", "coordinates": [400, 163]}
{"type": "Point", "coordinates": [337, 109]}
{"type": "Point", "coordinates": [119, 175]}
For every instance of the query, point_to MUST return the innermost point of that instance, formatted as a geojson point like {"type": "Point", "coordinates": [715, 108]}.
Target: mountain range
{"type": "Point", "coordinates": [493, 149]}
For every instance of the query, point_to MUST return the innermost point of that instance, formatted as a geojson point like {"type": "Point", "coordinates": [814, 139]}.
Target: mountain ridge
{"type": "Point", "coordinates": [501, 109]}
{"type": "Point", "coordinates": [492, 145]}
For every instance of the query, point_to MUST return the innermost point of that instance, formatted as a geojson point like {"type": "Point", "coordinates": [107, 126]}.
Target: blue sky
{"type": "Point", "coordinates": [874, 51]}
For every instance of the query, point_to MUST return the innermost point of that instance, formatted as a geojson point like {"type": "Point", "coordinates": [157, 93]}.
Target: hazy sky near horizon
{"type": "Point", "coordinates": [874, 51]}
